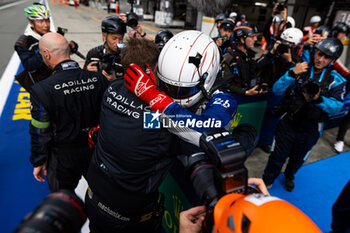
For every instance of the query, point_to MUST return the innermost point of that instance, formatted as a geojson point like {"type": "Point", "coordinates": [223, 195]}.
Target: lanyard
{"type": "Point", "coordinates": [321, 77]}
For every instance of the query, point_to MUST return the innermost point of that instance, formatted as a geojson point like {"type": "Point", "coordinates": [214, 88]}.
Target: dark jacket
{"type": "Point", "coordinates": [27, 48]}
{"type": "Point", "coordinates": [240, 70]}
{"type": "Point", "coordinates": [129, 162]}
{"type": "Point", "coordinates": [64, 107]}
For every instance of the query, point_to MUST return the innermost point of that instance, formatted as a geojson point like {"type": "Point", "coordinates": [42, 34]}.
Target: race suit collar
{"type": "Point", "coordinates": [29, 32]}
{"type": "Point", "coordinates": [66, 65]}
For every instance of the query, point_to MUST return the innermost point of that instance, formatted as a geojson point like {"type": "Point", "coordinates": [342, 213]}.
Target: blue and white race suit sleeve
{"type": "Point", "coordinates": [188, 126]}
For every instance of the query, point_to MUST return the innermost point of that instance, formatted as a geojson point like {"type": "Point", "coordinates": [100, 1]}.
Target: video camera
{"type": "Point", "coordinates": [219, 169]}
{"type": "Point", "coordinates": [132, 19]}
{"type": "Point", "coordinates": [60, 212]}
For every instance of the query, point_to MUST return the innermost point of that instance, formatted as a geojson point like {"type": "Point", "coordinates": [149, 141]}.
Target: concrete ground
{"type": "Point", "coordinates": [83, 26]}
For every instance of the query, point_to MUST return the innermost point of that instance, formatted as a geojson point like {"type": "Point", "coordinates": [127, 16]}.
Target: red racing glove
{"type": "Point", "coordinates": [92, 136]}
{"type": "Point", "coordinates": [144, 87]}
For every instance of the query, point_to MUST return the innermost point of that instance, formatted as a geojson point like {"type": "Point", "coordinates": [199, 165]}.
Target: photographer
{"type": "Point", "coordinates": [243, 19]}
{"type": "Point", "coordinates": [219, 18]}
{"type": "Point", "coordinates": [27, 49]}
{"type": "Point", "coordinates": [240, 66]}
{"type": "Point", "coordinates": [281, 57]}
{"type": "Point", "coordinates": [162, 37]}
{"type": "Point", "coordinates": [135, 31]}
{"type": "Point", "coordinates": [314, 91]}
{"type": "Point", "coordinates": [225, 39]}
{"type": "Point", "coordinates": [106, 58]}
{"type": "Point", "coordinates": [277, 23]}
{"type": "Point", "coordinates": [308, 31]}
{"type": "Point", "coordinates": [233, 16]}
{"type": "Point", "coordinates": [27, 45]}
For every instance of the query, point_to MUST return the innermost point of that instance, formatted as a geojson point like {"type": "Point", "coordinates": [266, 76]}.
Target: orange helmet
{"type": "Point", "coordinates": [258, 213]}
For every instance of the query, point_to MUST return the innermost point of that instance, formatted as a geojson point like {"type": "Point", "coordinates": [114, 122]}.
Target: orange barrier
{"type": "Point", "coordinates": [117, 8]}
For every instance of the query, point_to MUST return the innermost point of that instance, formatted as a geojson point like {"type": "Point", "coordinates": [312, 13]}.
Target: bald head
{"type": "Point", "coordinates": [54, 49]}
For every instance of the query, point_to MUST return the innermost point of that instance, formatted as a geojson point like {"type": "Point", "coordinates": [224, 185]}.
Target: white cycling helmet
{"type": "Point", "coordinates": [292, 35]}
{"type": "Point", "coordinates": [37, 12]}
{"type": "Point", "coordinates": [233, 14]}
{"type": "Point", "coordinates": [178, 76]}
{"type": "Point", "coordinates": [291, 21]}
{"type": "Point", "coordinates": [315, 19]}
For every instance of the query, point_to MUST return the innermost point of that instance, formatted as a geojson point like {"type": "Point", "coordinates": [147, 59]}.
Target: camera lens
{"type": "Point", "coordinates": [132, 20]}
{"type": "Point", "coordinates": [282, 48]}
{"type": "Point", "coordinates": [202, 175]}
{"type": "Point", "coordinates": [311, 87]}
{"type": "Point", "coordinates": [59, 212]}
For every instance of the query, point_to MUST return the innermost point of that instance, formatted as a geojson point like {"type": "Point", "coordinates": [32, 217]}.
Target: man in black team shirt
{"type": "Point", "coordinates": [64, 107]}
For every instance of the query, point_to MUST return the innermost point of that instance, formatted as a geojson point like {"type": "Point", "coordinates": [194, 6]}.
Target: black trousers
{"type": "Point", "coordinates": [343, 127]}
{"type": "Point", "coordinates": [341, 212]}
{"type": "Point", "coordinates": [292, 143]}
{"type": "Point", "coordinates": [104, 219]}
{"type": "Point", "coordinates": [66, 165]}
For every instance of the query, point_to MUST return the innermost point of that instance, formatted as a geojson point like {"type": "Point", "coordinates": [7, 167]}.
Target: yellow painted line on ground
{"type": "Point", "coordinates": [346, 42]}
{"type": "Point", "coordinates": [208, 20]}
{"type": "Point", "coordinates": [96, 19]}
{"type": "Point", "coordinates": [149, 28]}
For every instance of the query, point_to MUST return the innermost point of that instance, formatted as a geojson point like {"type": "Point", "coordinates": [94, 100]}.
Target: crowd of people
{"type": "Point", "coordinates": [90, 121]}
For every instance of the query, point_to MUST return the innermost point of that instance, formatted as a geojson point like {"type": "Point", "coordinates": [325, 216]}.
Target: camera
{"type": "Point", "coordinates": [132, 19]}
{"type": "Point", "coordinates": [283, 48]}
{"type": "Point", "coordinates": [310, 87]}
{"type": "Point", "coordinates": [262, 86]}
{"type": "Point", "coordinates": [219, 168]}
{"type": "Point", "coordinates": [226, 42]}
{"type": "Point", "coordinates": [294, 100]}
{"type": "Point", "coordinates": [60, 212]}
{"type": "Point", "coordinates": [282, 5]}
{"type": "Point", "coordinates": [108, 63]}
